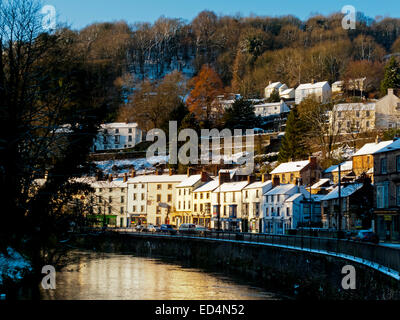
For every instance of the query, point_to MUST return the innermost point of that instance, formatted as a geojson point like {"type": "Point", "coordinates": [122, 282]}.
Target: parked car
{"type": "Point", "coordinates": [139, 227]}
{"type": "Point", "coordinates": [366, 236]}
{"type": "Point", "coordinates": [151, 228]}
{"type": "Point", "coordinates": [202, 230]}
{"type": "Point", "coordinates": [167, 228]}
{"type": "Point", "coordinates": [187, 228]}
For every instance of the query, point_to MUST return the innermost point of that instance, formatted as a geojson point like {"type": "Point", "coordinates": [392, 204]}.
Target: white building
{"type": "Point", "coordinates": [253, 196]}
{"type": "Point", "coordinates": [269, 109]}
{"type": "Point", "coordinates": [272, 86]}
{"type": "Point", "coordinates": [117, 136]}
{"type": "Point", "coordinates": [283, 208]}
{"type": "Point", "coordinates": [321, 90]}
{"type": "Point", "coordinates": [152, 198]}
{"type": "Point", "coordinates": [227, 199]}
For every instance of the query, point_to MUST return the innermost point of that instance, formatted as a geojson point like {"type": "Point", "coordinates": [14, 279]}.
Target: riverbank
{"type": "Point", "coordinates": [290, 272]}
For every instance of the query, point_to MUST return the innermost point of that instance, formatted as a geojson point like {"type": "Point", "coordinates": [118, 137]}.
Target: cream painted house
{"type": "Point", "coordinates": [202, 206]}
{"type": "Point", "coordinates": [159, 194]}
{"type": "Point", "coordinates": [353, 117]}
{"type": "Point", "coordinates": [184, 200]}
{"type": "Point", "coordinates": [253, 196]}
{"type": "Point", "coordinates": [228, 200]}
{"type": "Point", "coordinates": [321, 90]}
{"type": "Point", "coordinates": [387, 111]}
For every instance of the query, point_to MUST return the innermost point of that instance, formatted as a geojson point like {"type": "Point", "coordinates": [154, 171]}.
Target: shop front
{"type": "Point", "coordinates": [138, 219]}
{"type": "Point", "coordinates": [387, 225]}
{"type": "Point", "coordinates": [102, 220]}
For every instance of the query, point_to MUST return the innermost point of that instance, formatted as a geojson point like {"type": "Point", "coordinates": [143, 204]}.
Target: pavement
{"type": "Point", "coordinates": [389, 244]}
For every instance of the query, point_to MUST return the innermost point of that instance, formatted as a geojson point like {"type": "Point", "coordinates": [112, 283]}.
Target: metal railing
{"type": "Point", "coordinates": [387, 259]}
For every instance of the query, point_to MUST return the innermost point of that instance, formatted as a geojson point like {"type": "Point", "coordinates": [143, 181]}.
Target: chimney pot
{"type": "Point", "coordinates": [125, 177]}
{"type": "Point", "coordinates": [390, 92]}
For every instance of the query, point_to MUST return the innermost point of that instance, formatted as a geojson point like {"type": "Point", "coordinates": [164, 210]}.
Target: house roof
{"type": "Point", "coordinates": [119, 125]}
{"type": "Point", "coordinates": [370, 106]}
{"type": "Point", "coordinates": [371, 148]}
{"type": "Point", "coordinates": [345, 191]}
{"type": "Point", "coordinates": [274, 85]}
{"type": "Point", "coordinates": [290, 167]}
{"type": "Point", "coordinates": [395, 145]}
{"type": "Point", "coordinates": [344, 166]}
{"type": "Point", "coordinates": [281, 189]}
{"type": "Point", "coordinates": [190, 181]}
{"type": "Point", "coordinates": [158, 178]}
{"type": "Point", "coordinates": [294, 197]}
{"type": "Point", "coordinates": [209, 186]}
{"type": "Point", "coordinates": [312, 85]}
{"type": "Point", "coordinates": [231, 186]}
{"type": "Point", "coordinates": [259, 184]}
{"type": "Point", "coordinates": [320, 183]}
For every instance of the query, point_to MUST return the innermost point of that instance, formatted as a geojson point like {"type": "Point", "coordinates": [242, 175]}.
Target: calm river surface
{"type": "Point", "coordinates": [110, 276]}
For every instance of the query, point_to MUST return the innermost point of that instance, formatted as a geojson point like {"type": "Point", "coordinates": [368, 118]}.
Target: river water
{"type": "Point", "coordinates": [110, 276]}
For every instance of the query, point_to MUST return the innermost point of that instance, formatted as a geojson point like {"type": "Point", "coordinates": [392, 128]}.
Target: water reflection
{"type": "Point", "coordinates": [108, 276]}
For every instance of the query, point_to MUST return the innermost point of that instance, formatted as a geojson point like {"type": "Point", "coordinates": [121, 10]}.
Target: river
{"type": "Point", "coordinates": [111, 276]}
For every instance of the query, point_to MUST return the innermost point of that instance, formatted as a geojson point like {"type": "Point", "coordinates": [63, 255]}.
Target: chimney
{"type": "Point", "coordinates": [276, 181]}
{"type": "Point", "coordinates": [313, 161]}
{"type": "Point", "coordinates": [313, 81]}
{"type": "Point", "coordinates": [188, 171]}
{"type": "Point", "coordinates": [171, 172]}
{"type": "Point", "coordinates": [264, 177]}
{"type": "Point", "coordinates": [125, 177]}
{"type": "Point", "coordinates": [133, 173]}
{"type": "Point", "coordinates": [250, 179]}
{"type": "Point", "coordinates": [377, 139]}
{"type": "Point", "coordinates": [204, 176]}
{"type": "Point", "coordinates": [110, 178]}
{"type": "Point", "coordinates": [269, 82]}
{"type": "Point", "coordinates": [390, 92]}
{"type": "Point", "coordinates": [223, 177]}
{"type": "Point", "coordinates": [298, 182]}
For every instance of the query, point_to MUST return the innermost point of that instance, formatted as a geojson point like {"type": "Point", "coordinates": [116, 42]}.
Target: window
{"type": "Point", "coordinates": [367, 113]}
{"type": "Point", "coordinates": [142, 196]}
{"type": "Point", "coordinates": [134, 208]}
{"type": "Point", "coordinates": [233, 196]}
{"type": "Point", "coordinates": [288, 212]}
{"type": "Point", "coordinates": [247, 194]}
{"type": "Point", "coordinates": [382, 196]}
{"type": "Point", "coordinates": [169, 186]}
{"type": "Point", "coordinates": [208, 195]}
{"type": "Point", "coordinates": [129, 138]}
{"type": "Point", "coordinates": [109, 210]}
{"type": "Point", "coordinates": [134, 196]}
{"type": "Point", "coordinates": [339, 114]}
{"type": "Point", "coordinates": [195, 207]}
{"type": "Point", "coordinates": [201, 196]}
{"type": "Point", "coordinates": [398, 195]}
{"type": "Point", "coordinates": [184, 192]}
{"type": "Point", "coordinates": [100, 199]}
{"type": "Point", "coordinates": [279, 211]}
{"type": "Point", "coordinates": [134, 186]}
{"type": "Point", "coordinates": [116, 130]}
{"type": "Point", "coordinates": [257, 193]}
{"type": "Point", "coordinates": [195, 196]}
{"type": "Point", "coordinates": [179, 204]}
{"type": "Point", "coordinates": [189, 205]}
{"type": "Point", "coordinates": [109, 199]}
{"type": "Point", "coordinates": [398, 163]}
{"type": "Point", "coordinates": [367, 124]}
{"type": "Point", "coordinates": [100, 189]}
{"type": "Point", "coordinates": [358, 114]}
{"type": "Point", "coordinates": [121, 210]}
{"type": "Point", "coordinates": [122, 190]}
{"type": "Point", "coordinates": [169, 197]}
{"type": "Point", "coordinates": [159, 198]}
{"type": "Point", "coordinates": [201, 208]}
{"type": "Point", "coordinates": [383, 165]}
{"type": "Point", "coordinates": [110, 190]}
{"type": "Point", "coordinates": [159, 187]}
{"type": "Point", "coordinates": [130, 130]}
{"type": "Point", "coordinates": [116, 139]}
{"type": "Point", "coordinates": [122, 199]}
{"type": "Point", "coordinates": [141, 208]}
{"type": "Point", "coordinates": [179, 191]}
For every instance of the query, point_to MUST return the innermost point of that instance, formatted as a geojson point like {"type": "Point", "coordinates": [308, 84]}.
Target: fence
{"type": "Point", "coordinates": [386, 259]}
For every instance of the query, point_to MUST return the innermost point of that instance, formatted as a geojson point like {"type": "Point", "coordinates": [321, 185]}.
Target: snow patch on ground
{"type": "Point", "coordinates": [123, 166]}
{"type": "Point", "coordinates": [13, 266]}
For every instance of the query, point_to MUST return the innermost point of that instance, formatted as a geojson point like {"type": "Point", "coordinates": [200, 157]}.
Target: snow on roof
{"type": "Point", "coordinates": [290, 167]}
{"type": "Point", "coordinates": [371, 148]}
{"type": "Point", "coordinates": [312, 85]}
{"type": "Point", "coordinates": [259, 184]}
{"type": "Point", "coordinates": [190, 181]}
{"type": "Point", "coordinates": [209, 186]}
{"type": "Point", "coordinates": [287, 91]}
{"type": "Point", "coordinates": [115, 183]}
{"type": "Point", "coordinates": [119, 125]}
{"type": "Point", "coordinates": [320, 183]}
{"type": "Point", "coordinates": [231, 186]}
{"type": "Point", "coordinates": [274, 85]}
{"type": "Point", "coordinates": [395, 145]}
{"type": "Point", "coordinates": [281, 189]}
{"type": "Point", "coordinates": [370, 106]}
{"type": "Point", "coordinates": [344, 166]}
{"type": "Point", "coordinates": [345, 191]}
{"type": "Point", "coordinates": [158, 178]}
{"type": "Point", "coordinates": [294, 197]}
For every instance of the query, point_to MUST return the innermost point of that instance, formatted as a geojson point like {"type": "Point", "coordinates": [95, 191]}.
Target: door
{"type": "Point", "coordinates": [388, 230]}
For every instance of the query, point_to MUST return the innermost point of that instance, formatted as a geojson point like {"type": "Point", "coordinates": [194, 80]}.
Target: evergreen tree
{"type": "Point", "coordinates": [240, 116]}
{"type": "Point", "coordinates": [294, 146]}
{"type": "Point", "coordinates": [392, 76]}
{"type": "Point", "coordinates": [274, 97]}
